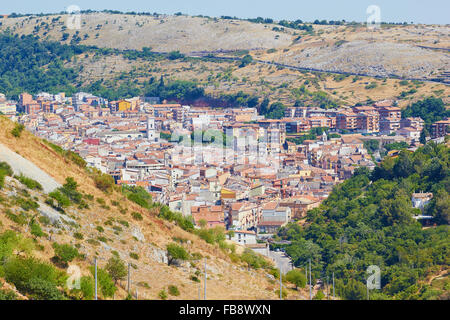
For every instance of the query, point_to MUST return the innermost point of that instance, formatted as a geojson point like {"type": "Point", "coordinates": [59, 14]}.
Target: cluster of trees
{"type": "Point", "coordinates": [396, 146]}
{"type": "Point", "coordinates": [431, 109]}
{"type": "Point", "coordinates": [297, 24]}
{"type": "Point", "coordinates": [313, 134]}
{"type": "Point", "coordinates": [368, 220]}
{"type": "Point", "coordinates": [27, 64]}
{"type": "Point", "coordinates": [178, 89]}
{"type": "Point", "coordinates": [138, 195]}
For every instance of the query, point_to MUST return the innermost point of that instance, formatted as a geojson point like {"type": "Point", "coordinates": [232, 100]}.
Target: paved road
{"type": "Point", "coordinates": [282, 261]}
{"type": "Point", "coordinates": [20, 165]}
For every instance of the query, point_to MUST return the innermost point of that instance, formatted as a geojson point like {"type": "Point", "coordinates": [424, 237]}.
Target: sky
{"type": "Point", "coordinates": [417, 11]}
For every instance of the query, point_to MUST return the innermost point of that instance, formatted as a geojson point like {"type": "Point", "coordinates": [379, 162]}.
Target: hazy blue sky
{"type": "Point", "coordinates": [418, 11]}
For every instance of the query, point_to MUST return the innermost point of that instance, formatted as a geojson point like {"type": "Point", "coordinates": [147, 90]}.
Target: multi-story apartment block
{"type": "Point", "coordinates": [368, 122]}
{"type": "Point", "coordinates": [440, 128]}
{"type": "Point", "coordinates": [416, 123]}
{"type": "Point", "coordinates": [346, 120]}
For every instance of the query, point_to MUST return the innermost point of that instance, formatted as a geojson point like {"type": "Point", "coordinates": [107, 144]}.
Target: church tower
{"type": "Point", "coordinates": [151, 134]}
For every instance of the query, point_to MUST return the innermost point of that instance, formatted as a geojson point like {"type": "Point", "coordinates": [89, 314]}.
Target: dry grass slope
{"type": "Point", "coordinates": [226, 280]}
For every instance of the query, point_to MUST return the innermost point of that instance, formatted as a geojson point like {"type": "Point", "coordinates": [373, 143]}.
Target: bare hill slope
{"type": "Point", "coordinates": [409, 51]}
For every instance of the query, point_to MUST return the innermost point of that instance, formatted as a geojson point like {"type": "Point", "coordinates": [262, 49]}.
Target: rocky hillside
{"type": "Point", "coordinates": [106, 225]}
{"type": "Point", "coordinates": [410, 51]}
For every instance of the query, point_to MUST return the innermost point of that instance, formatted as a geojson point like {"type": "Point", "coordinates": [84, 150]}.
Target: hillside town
{"type": "Point", "coordinates": [225, 167]}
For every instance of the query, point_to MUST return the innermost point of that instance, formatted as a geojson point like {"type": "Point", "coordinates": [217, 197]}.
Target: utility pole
{"type": "Point", "coordinates": [333, 285]}
{"type": "Point", "coordinates": [368, 293]}
{"type": "Point", "coordinates": [129, 279]}
{"type": "Point", "coordinates": [281, 286]}
{"type": "Point", "coordinates": [328, 296]}
{"type": "Point", "coordinates": [310, 281]}
{"type": "Point", "coordinates": [95, 262]}
{"type": "Point", "coordinates": [306, 273]}
{"type": "Point", "coordinates": [205, 281]}
{"type": "Point", "coordinates": [199, 291]}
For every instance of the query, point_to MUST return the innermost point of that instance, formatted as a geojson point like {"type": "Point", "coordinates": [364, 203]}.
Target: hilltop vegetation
{"type": "Point", "coordinates": [367, 220]}
{"type": "Point", "coordinates": [118, 59]}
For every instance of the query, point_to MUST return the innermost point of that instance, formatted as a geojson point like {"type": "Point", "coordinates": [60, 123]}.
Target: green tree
{"type": "Point", "coordinates": [296, 277]}
{"type": "Point", "coordinates": [116, 269]}
{"type": "Point", "coordinates": [62, 200]}
{"type": "Point", "coordinates": [245, 61]}
{"type": "Point", "coordinates": [319, 295]}
{"type": "Point", "coordinates": [176, 252]}
{"type": "Point", "coordinates": [64, 253]}
{"type": "Point", "coordinates": [105, 282]}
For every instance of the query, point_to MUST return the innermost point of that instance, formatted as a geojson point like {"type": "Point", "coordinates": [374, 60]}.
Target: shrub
{"type": "Point", "coordinates": [78, 236]}
{"type": "Point", "coordinates": [104, 182]}
{"type": "Point", "coordinates": [105, 282]}
{"type": "Point", "coordinates": [17, 131]}
{"type": "Point", "coordinates": [7, 295]}
{"type": "Point", "coordinates": [30, 276]}
{"type": "Point", "coordinates": [186, 223]}
{"type": "Point", "coordinates": [173, 290]}
{"type": "Point", "coordinates": [64, 253]}
{"type": "Point", "coordinates": [116, 269]}
{"type": "Point", "coordinates": [5, 170]}
{"type": "Point", "coordinates": [93, 242]}
{"type": "Point", "coordinates": [296, 277]}
{"type": "Point", "coordinates": [20, 219]}
{"type": "Point", "coordinates": [176, 252]}
{"type": "Point", "coordinates": [283, 293]}
{"type": "Point", "coordinates": [43, 290]}
{"type": "Point", "coordinates": [30, 183]}
{"type": "Point", "coordinates": [100, 229]}
{"type": "Point", "coordinates": [319, 295]}
{"type": "Point", "coordinates": [87, 288]}
{"type": "Point", "coordinates": [134, 255]}
{"type": "Point", "coordinates": [124, 223]}
{"type": "Point", "coordinates": [44, 220]}
{"type": "Point", "coordinates": [138, 195]}
{"type": "Point", "coordinates": [162, 294]}
{"type": "Point", "coordinates": [253, 260]}
{"type": "Point", "coordinates": [62, 200]}
{"type": "Point", "coordinates": [36, 230]}
{"type": "Point", "coordinates": [137, 216]}
{"type": "Point", "coordinates": [69, 189]}
{"type": "Point", "coordinates": [103, 239]}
